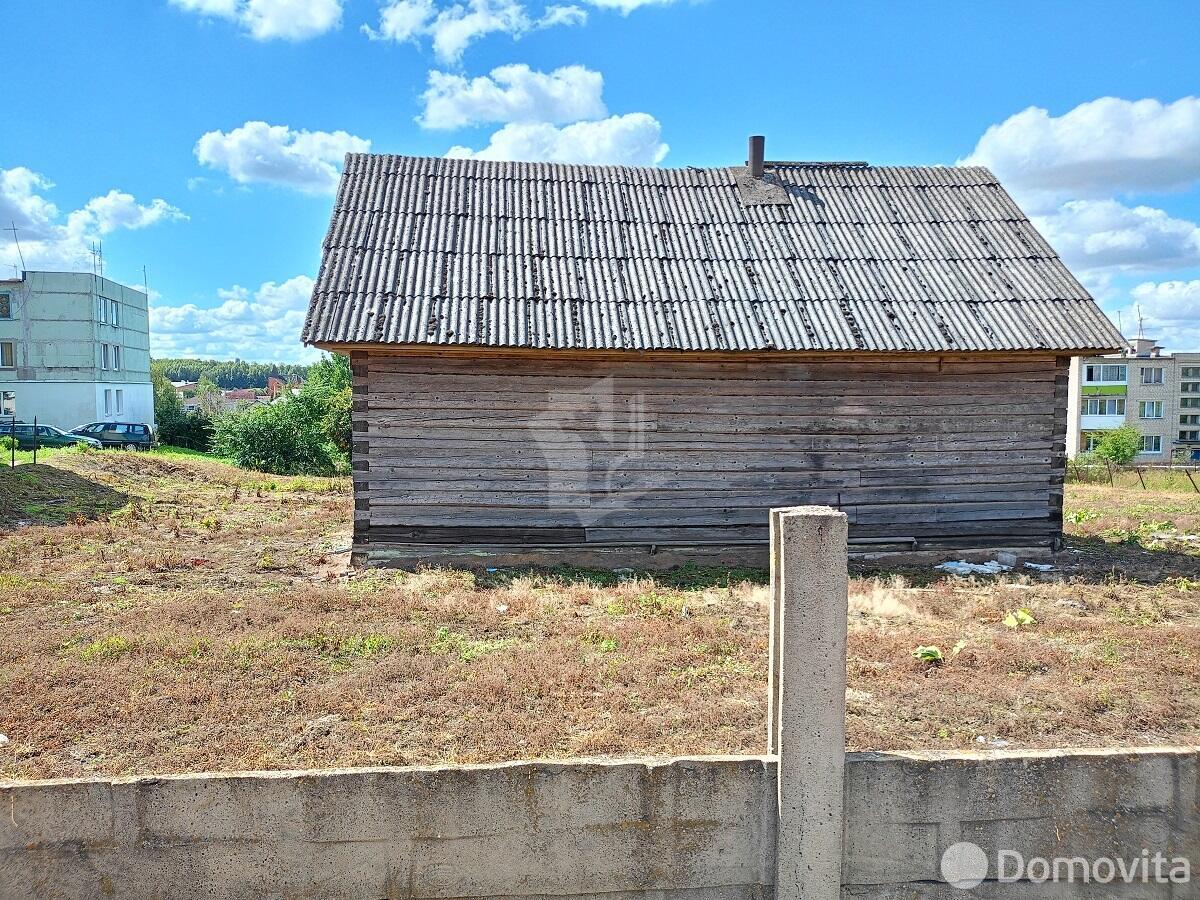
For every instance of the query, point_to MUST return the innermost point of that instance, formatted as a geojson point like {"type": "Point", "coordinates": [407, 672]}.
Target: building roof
{"type": "Point", "coordinates": [824, 257]}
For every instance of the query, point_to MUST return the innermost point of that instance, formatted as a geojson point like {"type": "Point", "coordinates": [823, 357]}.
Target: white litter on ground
{"type": "Point", "coordinates": [991, 742]}
{"type": "Point", "coordinates": [962, 567]}
{"type": "Point", "coordinates": [1041, 567]}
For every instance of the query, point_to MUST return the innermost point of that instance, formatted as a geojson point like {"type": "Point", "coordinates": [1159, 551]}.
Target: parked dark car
{"type": "Point", "coordinates": [45, 437]}
{"type": "Point", "coordinates": [128, 435]}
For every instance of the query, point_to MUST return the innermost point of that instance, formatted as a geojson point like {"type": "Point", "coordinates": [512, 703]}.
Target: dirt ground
{"type": "Point", "coordinates": [163, 614]}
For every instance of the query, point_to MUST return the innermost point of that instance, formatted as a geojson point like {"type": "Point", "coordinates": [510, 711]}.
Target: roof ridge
{"type": "Point", "coordinates": [447, 162]}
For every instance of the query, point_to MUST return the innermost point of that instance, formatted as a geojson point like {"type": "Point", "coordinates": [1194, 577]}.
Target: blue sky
{"type": "Point", "coordinates": [200, 138]}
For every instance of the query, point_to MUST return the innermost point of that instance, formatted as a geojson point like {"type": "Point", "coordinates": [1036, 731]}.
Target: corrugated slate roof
{"type": "Point", "coordinates": [540, 255]}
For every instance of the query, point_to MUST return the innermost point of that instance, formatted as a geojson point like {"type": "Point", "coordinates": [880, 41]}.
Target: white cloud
{"type": "Point", "coordinates": [513, 93]}
{"type": "Point", "coordinates": [562, 15]}
{"type": "Point", "coordinates": [264, 20]}
{"type": "Point", "coordinates": [634, 139]}
{"type": "Point", "coordinates": [258, 326]}
{"type": "Point", "coordinates": [46, 242]}
{"type": "Point", "coordinates": [1100, 148]}
{"type": "Point", "coordinates": [453, 28]}
{"type": "Point", "coordinates": [308, 161]}
{"type": "Point", "coordinates": [1105, 234]}
{"type": "Point", "coordinates": [625, 7]}
{"type": "Point", "coordinates": [402, 20]}
{"type": "Point", "coordinates": [20, 204]}
{"type": "Point", "coordinates": [117, 209]}
{"type": "Point", "coordinates": [225, 9]}
{"type": "Point", "coordinates": [1170, 311]}
{"type": "Point", "coordinates": [1170, 300]}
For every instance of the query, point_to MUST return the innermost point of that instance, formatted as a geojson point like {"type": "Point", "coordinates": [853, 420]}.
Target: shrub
{"type": "Point", "coordinates": [7, 444]}
{"type": "Point", "coordinates": [193, 431]}
{"type": "Point", "coordinates": [1120, 445]}
{"type": "Point", "coordinates": [280, 438]}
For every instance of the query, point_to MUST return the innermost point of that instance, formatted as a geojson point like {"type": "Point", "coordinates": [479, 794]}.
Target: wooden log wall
{"type": "Point", "coordinates": [562, 450]}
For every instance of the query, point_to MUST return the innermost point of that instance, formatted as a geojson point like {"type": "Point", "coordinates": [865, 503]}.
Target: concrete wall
{"type": "Point", "coordinates": [59, 340]}
{"type": "Point", "coordinates": [68, 404]}
{"type": "Point", "coordinates": [700, 829]}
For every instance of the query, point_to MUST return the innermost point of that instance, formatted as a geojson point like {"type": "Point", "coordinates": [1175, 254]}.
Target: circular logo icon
{"type": "Point", "coordinates": [964, 865]}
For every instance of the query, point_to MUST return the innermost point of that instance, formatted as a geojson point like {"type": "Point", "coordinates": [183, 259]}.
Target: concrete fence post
{"type": "Point", "coordinates": [773, 650]}
{"type": "Point", "coordinates": [807, 711]}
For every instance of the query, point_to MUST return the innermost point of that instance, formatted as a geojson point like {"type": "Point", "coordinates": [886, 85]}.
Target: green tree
{"type": "Point", "coordinates": [175, 426]}
{"type": "Point", "coordinates": [328, 395]}
{"type": "Point", "coordinates": [1120, 445]}
{"type": "Point", "coordinates": [229, 374]}
{"type": "Point", "coordinates": [167, 405]}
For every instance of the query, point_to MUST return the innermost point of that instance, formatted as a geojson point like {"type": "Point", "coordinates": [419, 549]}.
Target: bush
{"type": "Point", "coordinates": [7, 444]}
{"type": "Point", "coordinates": [281, 438]}
{"type": "Point", "coordinates": [1120, 445]}
{"type": "Point", "coordinates": [192, 431]}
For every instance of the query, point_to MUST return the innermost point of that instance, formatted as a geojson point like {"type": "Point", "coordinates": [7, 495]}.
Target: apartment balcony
{"type": "Point", "coordinates": [1105, 389]}
{"type": "Point", "coordinates": [1100, 423]}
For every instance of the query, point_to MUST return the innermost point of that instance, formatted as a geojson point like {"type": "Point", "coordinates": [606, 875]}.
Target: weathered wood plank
{"type": "Point", "coordinates": [655, 450]}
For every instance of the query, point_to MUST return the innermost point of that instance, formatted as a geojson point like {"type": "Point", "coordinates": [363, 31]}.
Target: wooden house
{"type": "Point", "coordinates": [629, 366]}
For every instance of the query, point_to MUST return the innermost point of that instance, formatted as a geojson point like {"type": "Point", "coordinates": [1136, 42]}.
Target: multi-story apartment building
{"type": "Point", "coordinates": [74, 348]}
{"type": "Point", "coordinates": [1156, 393]}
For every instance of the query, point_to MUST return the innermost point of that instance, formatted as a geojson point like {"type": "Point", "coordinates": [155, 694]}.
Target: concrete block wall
{"type": "Point", "coordinates": [689, 829]}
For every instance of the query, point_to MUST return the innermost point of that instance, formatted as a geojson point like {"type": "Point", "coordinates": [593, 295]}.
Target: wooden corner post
{"type": "Point", "coordinates": [807, 697]}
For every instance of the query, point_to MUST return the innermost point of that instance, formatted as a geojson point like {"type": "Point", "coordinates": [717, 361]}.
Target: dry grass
{"type": "Point", "coordinates": [209, 623]}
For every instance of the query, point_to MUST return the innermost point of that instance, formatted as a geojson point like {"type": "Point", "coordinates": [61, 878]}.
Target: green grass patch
{"type": "Point", "coordinates": [601, 642]}
{"type": "Point", "coordinates": [168, 450]}
{"type": "Point", "coordinates": [447, 642]}
{"type": "Point", "coordinates": [105, 648]}
{"type": "Point", "coordinates": [341, 650]}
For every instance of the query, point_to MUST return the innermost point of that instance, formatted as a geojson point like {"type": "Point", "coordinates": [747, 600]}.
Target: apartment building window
{"type": "Point", "coordinates": [104, 356]}
{"type": "Point", "coordinates": [116, 357]}
{"type": "Point", "coordinates": [1188, 436]}
{"type": "Point", "coordinates": [1189, 420]}
{"type": "Point", "coordinates": [114, 316]}
{"type": "Point", "coordinates": [1106, 373]}
{"type": "Point", "coordinates": [1190, 372]}
{"type": "Point", "coordinates": [107, 402]}
{"type": "Point", "coordinates": [120, 401]}
{"type": "Point", "coordinates": [1190, 402]}
{"type": "Point", "coordinates": [1091, 441]}
{"type": "Point", "coordinates": [8, 403]}
{"type": "Point", "coordinates": [1150, 409]}
{"type": "Point", "coordinates": [8, 355]}
{"type": "Point", "coordinates": [1189, 387]}
{"type": "Point", "coordinates": [1104, 406]}
{"type": "Point", "coordinates": [6, 306]}
{"type": "Point", "coordinates": [101, 309]}
{"type": "Point", "coordinates": [1152, 374]}
{"type": "Point", "coordinates": [1151, 443]}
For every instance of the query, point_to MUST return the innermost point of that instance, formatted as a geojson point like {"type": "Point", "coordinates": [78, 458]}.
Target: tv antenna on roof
{"type": "Point", "coordinates": [17, 241]}
{"type": "Point", "coordinates": [1141, 331]}
{"type": "Point", "coordinates": [97, 252]}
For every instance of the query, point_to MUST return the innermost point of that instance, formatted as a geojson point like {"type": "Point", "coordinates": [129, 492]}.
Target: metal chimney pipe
{"type": "Point", "coordinates": [758, 146]}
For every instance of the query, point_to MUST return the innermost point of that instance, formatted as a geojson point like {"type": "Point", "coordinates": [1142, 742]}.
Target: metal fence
{"type": "Point", "coordinates": [1105, 472]}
